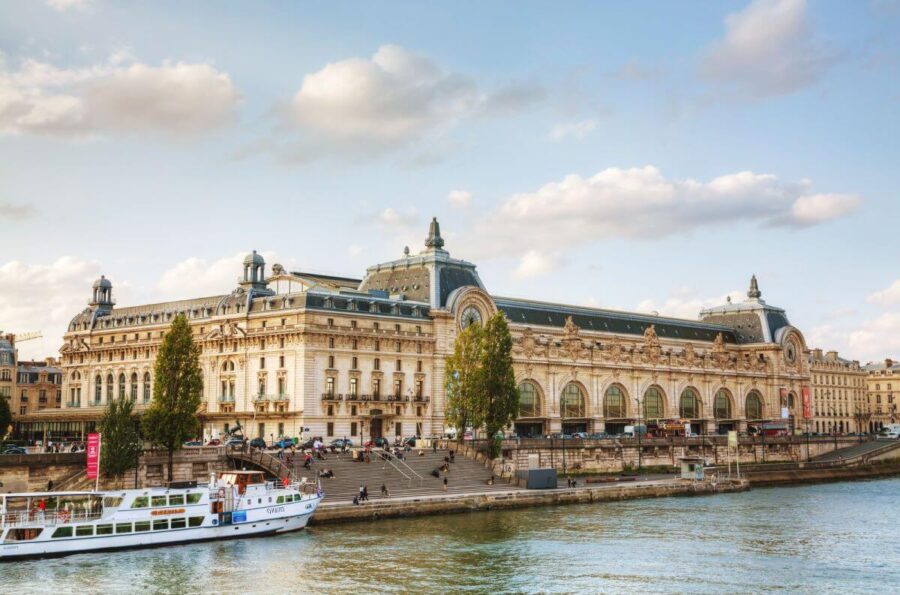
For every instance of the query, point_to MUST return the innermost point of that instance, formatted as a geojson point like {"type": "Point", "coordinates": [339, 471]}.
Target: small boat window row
{"type": "Point", "coordinates": [172, 500]}
{"type": "Point", "coordinates": [107, 529]}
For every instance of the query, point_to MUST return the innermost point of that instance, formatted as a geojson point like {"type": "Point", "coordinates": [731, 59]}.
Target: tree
{"type": "Point", "coordinates": [463, 380]}
{"type": "Point", "coordinates": [172, 416]}
{"type": "Point", "coordinates": [498, 393]}
{"type": "Point", "coordinates": [121, 447]}
{"type": "Point", "coordinates": [5, 416]}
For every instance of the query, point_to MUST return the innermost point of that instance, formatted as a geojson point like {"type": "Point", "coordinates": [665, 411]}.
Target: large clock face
{"type": "Point", "coordinates": [790, 352]}
{"type": "Point", "coordinates": [471, 315]}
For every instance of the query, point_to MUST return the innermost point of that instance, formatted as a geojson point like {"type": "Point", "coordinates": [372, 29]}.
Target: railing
{"type": "Point", "coordinates": [73, 404]}
{"type": "Point", "coordinates": [225, 399]}
{"type": "Point", "coordinates": [47, 519]}
{"type": "Point", "coordinates": [406, 465]}
{"type": "Point", "coordinates": [390, 459]}
{"type": "Point", "coordinates": [257, 457]}
{"type": "Point", "coordinates": [69, 481]}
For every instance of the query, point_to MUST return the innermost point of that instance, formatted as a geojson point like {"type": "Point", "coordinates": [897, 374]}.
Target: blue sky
{"type": "Point", "coordinates": [641, 155]}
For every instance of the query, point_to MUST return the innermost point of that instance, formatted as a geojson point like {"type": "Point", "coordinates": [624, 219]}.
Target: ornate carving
{"type": "Point", "coordinates": [277, 269]}
{"type": "Point", "coordinates": [689, 355]}
{"type": "Point", "coordinates": [652, 350]}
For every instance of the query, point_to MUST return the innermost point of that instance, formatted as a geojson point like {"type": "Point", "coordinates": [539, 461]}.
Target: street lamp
{"type": "Point", "coordinates": [637, 429]}
{"type": "Point", "coordinates": [833, 423]}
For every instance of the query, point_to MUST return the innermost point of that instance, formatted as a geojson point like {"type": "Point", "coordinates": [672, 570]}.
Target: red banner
{"type": "Point", "coordinates": [93, 455]}
{"type": "Point", "coordinates": [807, 413]}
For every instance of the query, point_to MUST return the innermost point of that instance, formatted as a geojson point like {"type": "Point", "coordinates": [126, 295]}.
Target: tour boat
{"type": "Point", "coordinates": [235, 504]}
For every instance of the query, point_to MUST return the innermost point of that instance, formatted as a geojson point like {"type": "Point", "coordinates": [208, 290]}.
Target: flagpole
{"type": "Point", "coordinates": [97, 477]}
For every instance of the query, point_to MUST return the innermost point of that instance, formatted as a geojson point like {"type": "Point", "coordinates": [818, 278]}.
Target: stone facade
{"type": "Point", "coordinates": [839, 402]}
{"type": "Point", "coordinates": [882, 386]}
{"type": "Point", "coordinates": [38, 387]}
{"type": "Point", "coordinates": [8, 372]}
{"type": "Point", "coordinates": [295, 352]}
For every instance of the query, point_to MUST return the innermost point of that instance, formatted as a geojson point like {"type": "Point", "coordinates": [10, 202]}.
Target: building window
{"type": "Point", "coordinates": [353, 410]}
{"type": "Point", "coordinates": [329, 387]}
{"type": "Point", "coordinates": [121, 386]}
{"type": "Point", "coordinates": [614, 403]}
{"type": "Point", "coordinates": [329, 428]}
{"type": "Point", "coordinates": [134, 386]}
{"type": "Point", "coordinates": [353, 428]}
{"type": "Point", "coordinates": [399, 365]}
{"type": "Point", "coordinates": [354, 363]}
{"type": "Point", "coordinates": [653, 404]}
{"type": "Point", "coordinates": [419, 366]}
{"type": "Point", "coordinates": [281, 386]}
{"type": "Point", "coordinates": [419, 389]}
{"type": "Point", "coordinates": [353, 344]}
{"type": "Point", "coordinates": [722, 408]}
{"type": "Point", "coordinates": [262, 363]}
{"type": "Point", "coordinates": [352, 324]}
{"type": "Point", "coordinates": [376, 364]}
{"type": "Point", "coordinates": [571, 404]}
{"type": "Point", "coordinates": [754, 406]}
{"type": "Point", "coordinates": [331, 361]}
{"type": "Point", "coordinates": [330, 410]}
{"type": "Point", "coordinates": [398, 429]}
{"type": "Point", "coordinates": [398, 388]}
{"type": "Point", "coordinates": [376, 388]}
{"type": "Point", "coordinates": [98, 390]}
{"type": "Point", "coordinates": [397, 327]}
{"type": "Point", "coordinates": [398, 347]}
{"type": "Point", "coordinates": [418, 348]}
{"type": "Point", "coordinates": [262, 387]}
{"type": "Point", "coordinates": [377, 345]}
{"type": "Point", "coordinates": [280, 361]}
{"type": "Point", "coordinates": [529, 405]}
{"type": "Point", "coordinates": [376, 326]}
{"type": "Point", "coordinates": [353, 387]}
{"type": "Point", "coordinates": [689, 408]}
{"type": "Point", "coordinates": [331, 322]}
{"type": "Point", "coordinates": [262, 342]}
{"type": "Point", "coordinates": [331, 342]}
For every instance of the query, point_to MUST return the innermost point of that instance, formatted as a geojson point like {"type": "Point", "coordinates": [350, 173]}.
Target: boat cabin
{"type": "Point", "coordinates": [242, 479]}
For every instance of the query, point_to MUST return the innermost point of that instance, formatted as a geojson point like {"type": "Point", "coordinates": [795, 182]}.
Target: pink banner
{"type": "Point", "coordinates": [93, 455]}
{"type": "Point", "coordinates": [807, 408]}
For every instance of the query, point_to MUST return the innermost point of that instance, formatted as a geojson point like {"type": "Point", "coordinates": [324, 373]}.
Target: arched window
{"type": "Point", "coordinates": [614, 402]}
{"type": "Point", "coordinates": [754, 406]}
{"type": "Point", "coordinates": [653, 404]}
{"type": "Point", "coordinates": [572, 402]}
{"type": "Point", "coordinates": [134, 386]}
{"type": "Point", "coordinates": [98, 389]}
{"type": "Point", "coordinates": [689, 407]}
{"type": "Point", "coordinates": [722, 408]}
{"type": "Point", "coordinates": [146, 387]}
{"type": "Point", "coordinates": [109, 387]}
{"type": "Point", "coordinates": [529, 402]}
{"type": "Point", "coordinates": [121, 386]}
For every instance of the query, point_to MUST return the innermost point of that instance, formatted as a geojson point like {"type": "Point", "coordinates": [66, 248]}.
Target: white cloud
{"type": "Point", "coordinates": [354, 250]}
{"type": "Point", "coordinates": [870, 340]}
{"type": "Point", "coordinates": [769, 48]}
{"type": "Point", "coordinates": [391, 218]}
{"type": "Point", "coordinates": [195, 277]}
{"type": "Point", "coordinates": [535, 264]}
{"type": "Point", "coordinates": [16, 212]}
{"type": "Point", "coordinates": [686, 304]}
{"type": "Point", "coordinates": [641, 203]}
{"type": "Point", "coordinates": [460, 199]}
{"type": "Point", "coordinates": [175, 99]}
{"type": "Point", "coordinates": [397, 98]}
{"type": "Point", "coordinates": [576, 130]}
{"type": "Point", "coordinates": [63, 5]}
{"type": "Point", "coordinates": [886, 297]}
{"type": "Point", "coordinates": [44, 297]}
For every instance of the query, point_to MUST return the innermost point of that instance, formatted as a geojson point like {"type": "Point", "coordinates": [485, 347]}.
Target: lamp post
{"type": "Point", "coordinates": [637, 429]}
{"type": "Point", "coordinates": [833, 422]}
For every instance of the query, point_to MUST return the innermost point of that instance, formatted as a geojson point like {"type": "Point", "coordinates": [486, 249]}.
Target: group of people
{"type": "Point", "coordinates": [54, 447]}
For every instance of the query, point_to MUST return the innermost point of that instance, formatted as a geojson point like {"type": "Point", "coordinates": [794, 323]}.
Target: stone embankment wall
{"type": "Point", "coordinates": [613, 456]}
{"type": "Point", "coordinates": [431, 505]}
{"type": "Point", "coordinates": [194, 463]}
{"type": "Point", "coordinates": [30, 473]}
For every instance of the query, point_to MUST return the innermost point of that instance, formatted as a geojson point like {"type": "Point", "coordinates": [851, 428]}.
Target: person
{"type": "Point", "coordinates": [362, 496]}
{"type": "Point", "coordinates": [434, 446]}
{"type": "Point", "coordinates": [356, 500]}
{"type": "Point", "coordinates": [281, 454]}
{"type": "Point", "coordinates": [307, 461]}
{"type": "Point", "coordinates": [42, 508]}
{"type": "Point", "coordinates": [50, 486]}
{"type": "Point", "coordinates": [445, 483]}
{"type": "Point", "coordinates": [452, 457]}
{"type": "Point", "coordinates": [366, 492]}
{"type": "Point", "coordinates": [421, 453]}
{"type": "Point", "coordinates": [435, 472]}
{"type": "Point", "coordinates": [384, 491]}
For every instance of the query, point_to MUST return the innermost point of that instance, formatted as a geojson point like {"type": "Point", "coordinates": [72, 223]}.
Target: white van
{"type": "Point", "coordinates": [890, 431]}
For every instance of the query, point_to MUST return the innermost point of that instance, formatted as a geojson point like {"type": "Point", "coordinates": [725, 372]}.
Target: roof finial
{"type": "Point", "coordinates": [754, 292]}
{"type": "Point", "coordinates": [406, 251]}
{"type": "Point", "coordinates": [434, 239]}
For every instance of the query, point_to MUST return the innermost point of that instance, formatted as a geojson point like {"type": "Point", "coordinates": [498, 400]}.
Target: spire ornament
{"type": "Point", "coordinates": [754, 292]}
{"type": "Point", "coordinates": [434, 239]}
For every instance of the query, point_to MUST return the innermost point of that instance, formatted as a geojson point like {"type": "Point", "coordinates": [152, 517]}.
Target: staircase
{"type": "Point", "coordinates": [858, 453]}
{"type": "Point", "coordinates": [465, 476]}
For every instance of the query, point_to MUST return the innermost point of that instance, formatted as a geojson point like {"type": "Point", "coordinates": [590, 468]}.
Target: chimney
{"type": "Point", "coordinates": [888, 363]}
{"type": "Point", "coordinates": [817, 354]}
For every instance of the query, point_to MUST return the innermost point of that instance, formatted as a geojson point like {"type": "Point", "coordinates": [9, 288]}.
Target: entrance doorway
{"type": "Point", "coordinates": [375, 428]}
{"type": "Point", "coordinates": [573, 427]}
{"type": "Point", "coordinates": [529, 429]}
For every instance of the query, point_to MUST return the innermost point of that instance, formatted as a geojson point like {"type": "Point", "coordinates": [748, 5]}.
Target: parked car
{"type": "Point", "coordinates": [258, 443]}
{"type": "Point", "coordinates": [284, 443]}
{"type": "Point", "coordinates": [309, 443]}
{"type": "Point", "coordinates": [581, 435]}
{"type": "Point", "coordinates": [341, 443]}
{"type": "Point", "coordinates": [379, 442]}
{"type": "Point", "coordinates": [411, 441]}
{"type": "Point", "coordinates": [15, 450]}
{"type": "Point", "coordinates": [193, 443]}
{"type": "Point", "coordinates": [214, 442]}
{"type": "Point", "coordinates": [232, 442]}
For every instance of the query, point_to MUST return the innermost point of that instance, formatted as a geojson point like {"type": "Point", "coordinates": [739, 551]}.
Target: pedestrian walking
{"type": "Point", "coordinates": [366, 492]}
{"type": "Point", "coordinates": [384, 491]}
{"type": "Point", "coordinates": [362, 496]}
{"type": "Point", "coordinates": [445, 483]}
{"type": "Point", "coordinates": [434, 446]}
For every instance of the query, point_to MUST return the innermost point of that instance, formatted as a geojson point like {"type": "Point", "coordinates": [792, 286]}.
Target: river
{"type": "Point", "coordinates": [840, 537]}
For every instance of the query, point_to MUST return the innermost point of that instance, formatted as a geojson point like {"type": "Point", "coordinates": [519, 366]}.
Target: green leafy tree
{"type": "Point", "coordinates": [121, 447]}
{"type": "Point", "coordinates": [499, 397]}
{"type": "Point", "coordinates": [463, 380]}
{"type": "Point", "coordinates": [172, 416]}
{"type": "Point", "coordinates": [5, 416]}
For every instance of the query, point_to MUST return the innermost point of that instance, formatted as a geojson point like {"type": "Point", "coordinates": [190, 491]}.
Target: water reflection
{"type": "Point", "coordinates": [828, 538]}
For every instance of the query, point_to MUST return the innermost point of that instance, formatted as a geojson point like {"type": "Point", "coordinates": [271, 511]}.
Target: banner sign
{"type": "Point", "coordinates": [93, 455]}
{"type": "Point", "coordinates": [807, 413]}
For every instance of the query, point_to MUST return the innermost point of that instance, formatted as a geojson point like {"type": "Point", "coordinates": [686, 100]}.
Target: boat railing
{"type": "Point", "coordinates": [46, 519]}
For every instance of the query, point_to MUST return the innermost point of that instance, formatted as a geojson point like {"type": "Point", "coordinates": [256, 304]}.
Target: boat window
{"type": "Point", "coordinates": [194, 498]}
{"type": "Point", "coordinates": [297, 497]}
{"type": "Point", "coordinates": [195, 521]}
{"type": "Point", "coordinates": [161, 525]}
{"type": "Point", "coordinates": [140, 502]}
{"type": "Point", "coordinates": [62, 532]}
{"type": "Point", "coordinates": [178, 523]}
{"type": "Point", "coordinates": [104, 529]}
{"type": "Point", "coordinates": [141, 526]}
{"type": "Point", "coordinates": [23, 534]}
{"type": "Point", "coordinates": [84, 531]}
{"type": "Point", "coordinates": [123, 528]}
{"type": "Point", "coordinates": [112, 502]}
{"type": "Point", "coordinates": [280, 500]}
{"type": "Point", "coordinates": [176, 500]}
{"type": "Point", "coordinates": [158, 501]}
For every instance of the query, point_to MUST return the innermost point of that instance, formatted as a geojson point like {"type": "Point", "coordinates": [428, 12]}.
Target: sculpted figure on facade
{"type": "Point", "coordinates": [652, 349]}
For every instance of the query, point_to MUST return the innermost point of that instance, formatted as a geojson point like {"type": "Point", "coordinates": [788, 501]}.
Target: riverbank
{"type": "Point", "coordinates": [774, 475]}
{"type": "Point", "coordinates": [516, 498]}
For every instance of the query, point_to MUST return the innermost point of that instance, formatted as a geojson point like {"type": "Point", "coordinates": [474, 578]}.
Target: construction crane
{"type": "Point", "coordinates": [28, 336]}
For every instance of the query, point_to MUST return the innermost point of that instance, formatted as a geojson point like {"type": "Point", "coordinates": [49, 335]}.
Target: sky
{"type": "Point", "coordinates": [646, 156]}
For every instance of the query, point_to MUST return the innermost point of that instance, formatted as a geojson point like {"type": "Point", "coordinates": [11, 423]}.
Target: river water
{"type": "Point", "coordinates": [842, 537]}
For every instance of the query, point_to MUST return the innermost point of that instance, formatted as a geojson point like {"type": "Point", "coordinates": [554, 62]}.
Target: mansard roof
{"type": "Point", "coordinates": [530, 312]}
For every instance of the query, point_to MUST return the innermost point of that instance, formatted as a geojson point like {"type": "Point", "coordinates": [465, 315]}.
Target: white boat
{"type": "Point", "coordinates": [237, 504]}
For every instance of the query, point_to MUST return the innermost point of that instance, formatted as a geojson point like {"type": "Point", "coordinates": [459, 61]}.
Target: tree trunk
{"type": "Point", "coordinates": [171, 457]}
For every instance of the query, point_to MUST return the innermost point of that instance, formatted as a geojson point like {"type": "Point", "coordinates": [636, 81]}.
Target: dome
{"type": "Point", "coordinates": [254, 258]}
{"type": "Point", "coordinates": [102, 283]}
